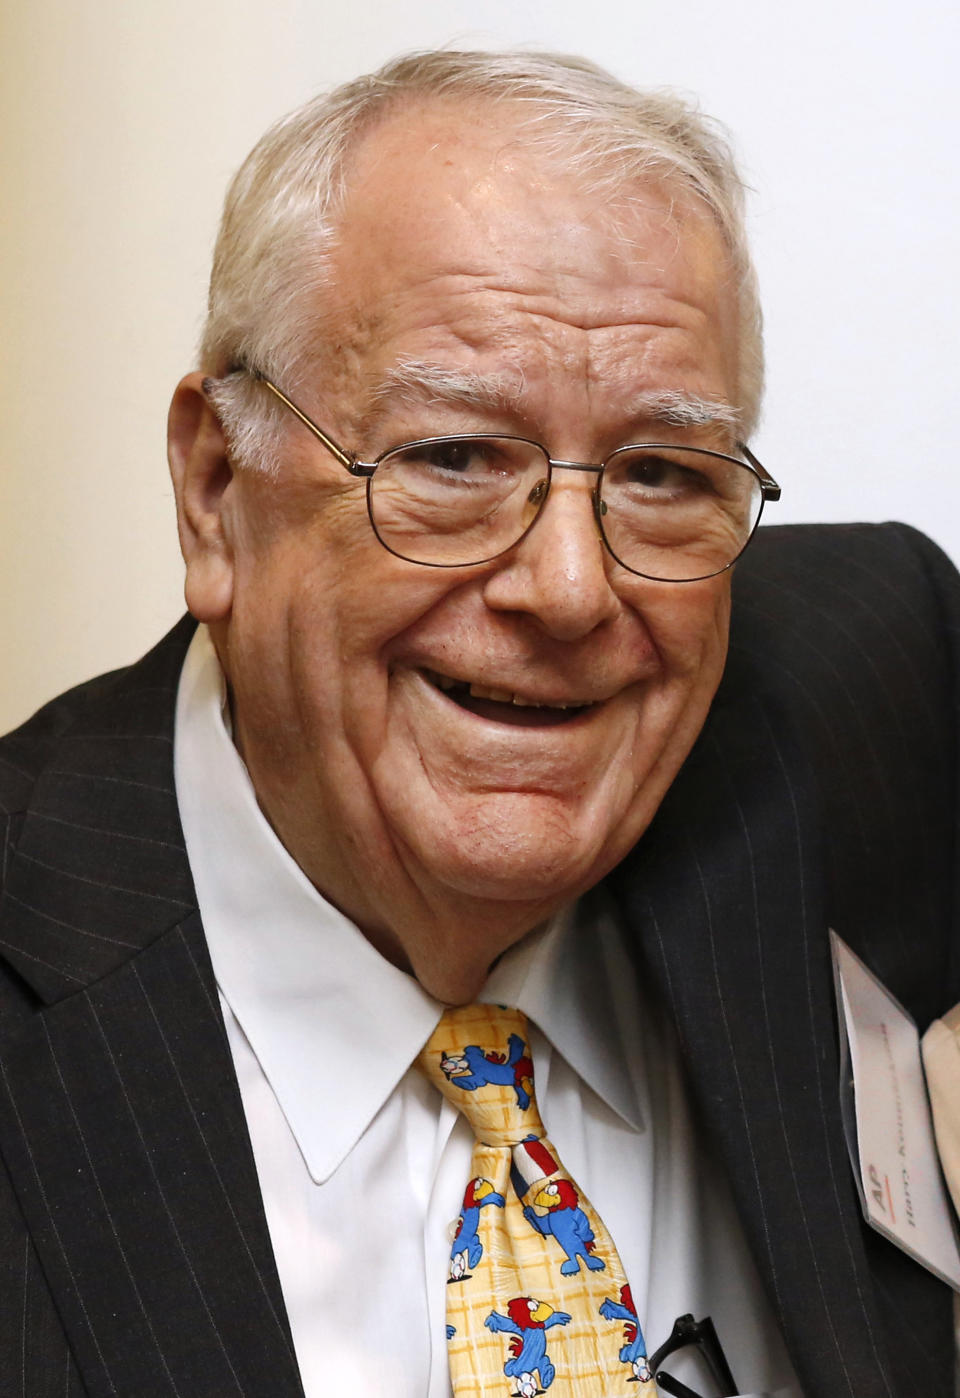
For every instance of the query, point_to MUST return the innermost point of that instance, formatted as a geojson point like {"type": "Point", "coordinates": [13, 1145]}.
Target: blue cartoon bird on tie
{"type": "Point", "coordinates": [565, 1221]}
{"type": "Point", "coordinates": [634, 1349]}
{"type": "Point", "coordinates": [467, 1248]}
{"type": "Point", "coordinates": [528, 1320]}
{"type": "Point", "coordinates": [472, 1068]}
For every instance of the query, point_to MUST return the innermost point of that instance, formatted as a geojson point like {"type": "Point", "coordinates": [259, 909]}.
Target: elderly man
{"type": "Point", "coordinates": [460, 486]}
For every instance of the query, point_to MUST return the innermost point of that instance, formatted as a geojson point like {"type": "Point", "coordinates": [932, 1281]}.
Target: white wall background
{"type": "Point", "coordinates": [120, 124]}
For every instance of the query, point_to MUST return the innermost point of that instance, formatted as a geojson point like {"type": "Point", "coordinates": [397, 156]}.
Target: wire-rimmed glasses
{"type": "Point", "coordinates": [665, 512]}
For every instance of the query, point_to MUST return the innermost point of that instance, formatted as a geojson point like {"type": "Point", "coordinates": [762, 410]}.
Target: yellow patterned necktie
{"type": "Point", "coordinates": [536, 1295]}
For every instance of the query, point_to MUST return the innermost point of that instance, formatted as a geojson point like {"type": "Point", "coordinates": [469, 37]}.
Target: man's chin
{"type": "Point", "coordinates": [514, 848]}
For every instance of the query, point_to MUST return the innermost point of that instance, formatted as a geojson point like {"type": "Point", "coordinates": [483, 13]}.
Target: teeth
{"type": "Point", "coordinates": [519, 702]}
{"type": "Point", "coordinates": [500, 696]}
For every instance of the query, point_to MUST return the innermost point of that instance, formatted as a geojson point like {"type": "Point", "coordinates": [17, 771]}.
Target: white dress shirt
{"type": "Point", "coordinates": [363, 1165]}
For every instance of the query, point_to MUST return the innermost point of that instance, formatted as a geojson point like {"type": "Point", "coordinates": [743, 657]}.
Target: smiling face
{"type": "Point", "coordinates": [451, 753]}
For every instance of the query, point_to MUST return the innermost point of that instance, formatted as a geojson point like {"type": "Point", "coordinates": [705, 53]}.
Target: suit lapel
{"type": "Point", "coordinates": [725, 899]}
{"type": "Point", "coordinates": [120, 1116]}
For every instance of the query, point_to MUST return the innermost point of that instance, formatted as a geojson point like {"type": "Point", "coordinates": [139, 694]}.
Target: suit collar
{"type": "Point", "coordinates": [99, 869]}
{"type": "Point", "coordinates": [724, 898]}
{"type": "Point", "coordinates": [121, 1121]}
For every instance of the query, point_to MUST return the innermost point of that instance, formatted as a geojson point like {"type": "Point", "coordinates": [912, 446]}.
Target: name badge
{"type": "Point", "coordinates": [886, 1117]}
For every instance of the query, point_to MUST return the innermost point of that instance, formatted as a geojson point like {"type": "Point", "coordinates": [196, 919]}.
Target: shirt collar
{"type": "Point", "coordinates": [565, 978]}
{"type": "Point", "coordinates": [332, 1023]}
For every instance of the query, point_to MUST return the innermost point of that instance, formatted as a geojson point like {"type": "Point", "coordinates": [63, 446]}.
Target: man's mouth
{"type": "Point", "coordinates": [507, 706]}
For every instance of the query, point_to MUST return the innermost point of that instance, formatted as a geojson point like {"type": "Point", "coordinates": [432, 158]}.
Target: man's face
{"type": "Point", "coordinates": [429, 814]}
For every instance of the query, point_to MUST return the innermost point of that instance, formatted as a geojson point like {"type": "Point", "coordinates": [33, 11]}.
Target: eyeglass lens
{"type": "Point", "coordinates": [674, 513]}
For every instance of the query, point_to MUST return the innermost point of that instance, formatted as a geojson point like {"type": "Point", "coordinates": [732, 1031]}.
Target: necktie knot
{"type": "Point", "coordinates": [479, 1058]}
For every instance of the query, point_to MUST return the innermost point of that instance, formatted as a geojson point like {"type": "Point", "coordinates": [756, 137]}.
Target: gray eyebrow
{"type": "Point", "coordinates": [419, 382]}
{"type": "Point", "coordinates": [677, 409]}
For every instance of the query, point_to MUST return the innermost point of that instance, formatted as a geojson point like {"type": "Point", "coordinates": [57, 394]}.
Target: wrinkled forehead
{"type": "Point", "coordinates": [474, 214]}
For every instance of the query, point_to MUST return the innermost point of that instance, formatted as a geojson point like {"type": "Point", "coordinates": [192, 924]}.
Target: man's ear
{"type": "Point", "coordinates": [201, 471]}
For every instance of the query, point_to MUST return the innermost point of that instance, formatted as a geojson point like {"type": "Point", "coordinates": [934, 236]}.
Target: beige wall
{"type": "Point", "coordinates": [120, 121]}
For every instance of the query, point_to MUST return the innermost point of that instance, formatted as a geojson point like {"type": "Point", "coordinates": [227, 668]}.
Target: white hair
{"type": "Point", "coordinates": [281, 213]}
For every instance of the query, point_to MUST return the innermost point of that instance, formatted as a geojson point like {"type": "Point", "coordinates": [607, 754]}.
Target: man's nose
{"type": "Point", "coordinates": [558, 573]}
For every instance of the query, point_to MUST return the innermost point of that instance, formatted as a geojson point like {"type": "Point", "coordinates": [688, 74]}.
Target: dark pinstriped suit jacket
{"type": "Point", "coordinates": [134, 1256]}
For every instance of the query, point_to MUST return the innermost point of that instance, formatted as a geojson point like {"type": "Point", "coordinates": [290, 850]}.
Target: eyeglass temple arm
{"type": "Point", "coordinates": [771, 491]}
{"type": "Point", "coordinates": [702, 1333]}
{"type": "Point", "coordinates": [342, 456]}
